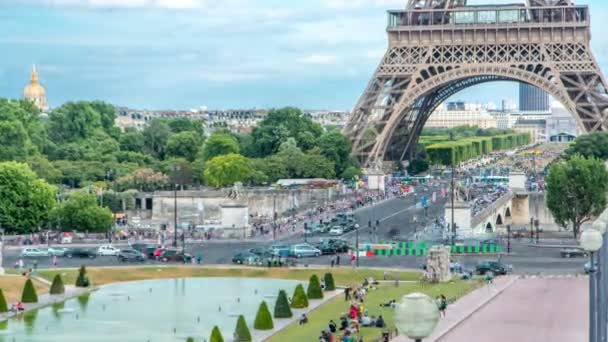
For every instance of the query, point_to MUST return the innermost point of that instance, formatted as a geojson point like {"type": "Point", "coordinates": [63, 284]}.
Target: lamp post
{"type": "Point", "coordinates": [537, 225]}
{"type": "Point", "coordinates": [452, 226]}
{"type": "Point", "coordinates": [176, 169]}
{"type": "Point", "coordinates": [416, 316]}
{"type": "Point", "coordinates": [508, 238]}
{"type": "Point", "coordinates": [591, 240]}
{"type": "Point", "coordinates": [600, 279]}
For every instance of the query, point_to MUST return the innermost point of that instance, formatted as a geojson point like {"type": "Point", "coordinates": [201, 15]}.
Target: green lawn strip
{"type": "Point", "coordinates": [342, 276]}
{"type": "Point", "coordinates": [336, 307]}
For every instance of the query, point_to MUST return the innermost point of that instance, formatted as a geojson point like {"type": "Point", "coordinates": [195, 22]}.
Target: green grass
{"type": "Point", "coordinates": [319, 318]}
{"type": "Point", "coordinates": [342, 276]}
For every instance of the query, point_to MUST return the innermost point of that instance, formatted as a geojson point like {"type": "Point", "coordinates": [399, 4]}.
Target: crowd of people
{"type": "Point", "coordinates": [483, 195]}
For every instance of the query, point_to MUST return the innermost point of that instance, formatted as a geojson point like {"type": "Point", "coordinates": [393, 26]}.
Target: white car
{"type": "Point", "coordinates": [57, 251]}
{"type": "Point", "coordinates": [34, 252]}
{"type": "Point", "coordinates": [336, 231]}
{"type": "Point", "coordinates": [107, 250]}
{"type": "Point", "coordinates": [305, 250]}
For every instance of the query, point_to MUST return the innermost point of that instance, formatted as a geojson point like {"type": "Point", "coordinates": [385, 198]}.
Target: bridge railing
{"type": "Point", "coordinates": [477, 219]}
{"type": "Point", "coordinates": [490, 15]}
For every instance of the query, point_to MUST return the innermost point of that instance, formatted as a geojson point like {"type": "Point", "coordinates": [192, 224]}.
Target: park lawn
{"type": "Point", "coordinates": [12, 286]}
{"type": "Point", "coordinates": [333, 309]}
{"type": "Point", "coordinates": [342, 276]}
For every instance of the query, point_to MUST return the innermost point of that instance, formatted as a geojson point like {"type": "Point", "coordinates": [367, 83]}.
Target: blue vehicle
{"type": "Point", "coordinates": [280, 250]}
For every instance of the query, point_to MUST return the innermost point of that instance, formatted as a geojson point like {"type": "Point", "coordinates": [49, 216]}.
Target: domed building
{"type": "Point", "coordinates": [34, 92]}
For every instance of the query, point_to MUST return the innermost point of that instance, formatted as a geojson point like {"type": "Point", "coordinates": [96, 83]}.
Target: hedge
{"type": "Point", "coordinates": [29, 293]}
{"type": "Point", "coordinates": [263, 319]}
{"type": "Point", "coordinates": [82, 280]}
{"type": "Point", "coordinates": [242, 333]}
{"type": "Point", "coordinates": [299, 299]}
{"type": "Point", "coordinates": [190, 339]}
{"type": "Point", "coordinates": [3, 305]}
{"type": "Point", "coordinates": [330, 285]}
{"type": "Point", "coordinates": [216, 335]}
{"type": "Point", "coordinates": [281, 307]}
{"type": "Point", "coordinates": [57, 287]}
{"type": "Point", "coordinates": [314, 290]}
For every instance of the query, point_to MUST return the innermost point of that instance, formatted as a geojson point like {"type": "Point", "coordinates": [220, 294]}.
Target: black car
{"type": "Point", "coordinates": [341, 246]}
{"type": "Point", "coordinates": [142, 247]}
{"type": "Point", "coordinates": [495, 267]}
{"type": "Point", "coordinates": [130, 255]}
{"type": "Point", "coordinates": [80, 253]}
{"type": "Point", "coordinates": [244, 258]}
{"type": "Point", "coordinates": [326, 248]}
{"type": "Point", "coordinates": [261, 252]}
{"type": "Point", "coordinates": [172, 255]}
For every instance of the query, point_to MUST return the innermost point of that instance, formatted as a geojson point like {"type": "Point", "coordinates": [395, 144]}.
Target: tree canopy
{"type": "Point", "coordinates": [590, 145]}
{"type": "Point", "coordinates": [80, 212]}
{"type": "Point", "coordinates": [219, 144]}
{"type": "Point", "coordinates": [227, 169]}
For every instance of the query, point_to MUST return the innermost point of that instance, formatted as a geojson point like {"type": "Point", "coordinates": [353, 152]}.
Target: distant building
{"type": "Point", "coordinates": [35, 92]}
{"type": "Point", "coordinates": [329, 118]}
{"type": "Point", "coordinates": [455, 114]}
{"type": "Point", "coordinates": [561, 126]}
{"type": "Point", "coordinates": [532, 99]}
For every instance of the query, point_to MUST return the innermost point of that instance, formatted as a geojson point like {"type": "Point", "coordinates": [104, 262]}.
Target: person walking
{"type": "Point", "coordinates": [337, 260]}
{"type": "Point", "coordinates": [352, 260]}
{"type": "Point", "coordinates": [442, 304]}
{"type": "Point", "coordinates": [20, 264]}
{"type": "Point", "coordinates": [55, 261]}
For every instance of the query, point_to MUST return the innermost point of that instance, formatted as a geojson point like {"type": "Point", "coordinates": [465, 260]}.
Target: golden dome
{"type": "Point", "coordinates": [35, 92]}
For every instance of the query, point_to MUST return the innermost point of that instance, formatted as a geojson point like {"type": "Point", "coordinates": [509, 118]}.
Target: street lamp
{"type": "Point", "coordinates": [416, 316]}
{"type": "Point", "coordinates": [600, 279]}
{"type": "Point", "coordinates": [591, 240]}
{"type": "Point", "coordinates": [176, 170]}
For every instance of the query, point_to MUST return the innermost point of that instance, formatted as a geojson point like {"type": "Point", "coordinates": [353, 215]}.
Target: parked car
{"type": "Point", "coordinates": [304, 250]}
{"type": "Point", "coordinates": [107, 250]}
{"type": "Point", "coordinates": [57, 251]}
{"type": "Point", "coordinates": [148, 252]}
{"type": "Point", "coordinates": [262, 252]}
{"type": "Point", "coordinates": [335, 230]}
{"type": "Point", "coordinates": [172, 255]}
{"type": "Point", "coordinates": [142, 246]}
{"type": "Point", "coordinates": [34, 252]}
{"type": "Point", "coordinates": [280, 250]}
{"type": "Point", "coordinates": [317, 229]}
{"type": "Point", "coordinates": [245, 258]}
{"type": "Point", "coordinates": [341, 246]}
{"type": "Point", "coordinates": [130, 255]}
{"type": "Point", "coordinates": [572, 252]}
{"type": "Point", "coordinates": [495, 267]}
{"type": "Point", "coordinates": [80, 253]}
{"type": "Point", "coordinates": [326, 248]}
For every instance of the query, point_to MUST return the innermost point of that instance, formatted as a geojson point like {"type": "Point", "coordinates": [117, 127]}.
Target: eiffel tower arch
{"type": "Point", "coordinates": [437, 48]}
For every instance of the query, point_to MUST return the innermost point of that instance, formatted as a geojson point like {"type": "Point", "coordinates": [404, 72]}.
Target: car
{"type": "Point", "coordinates": [141, 246]}
{"type": "Point", "coordinates": [335, 230]}
{"type": "Point", "coordinates": [34, 252]}
{"type": "Point", "coordinates": [107, 250]}
{"type": "Point", "coordinates": [245, 258]}
{"type": "Point", "coordinates": [280, 250]}
{"type": "Point", "coordinates": [495, 267]}
{"type": "Point", "coordinates": [341, 246]}
{"type": "Point", "coordinates": [316, 229]}
{"type": "Point", "coordinates": [572, 252]}
{"type": "Point", "coordinates": [173, 255]}
{"type": "Point", "coordinates": [80, 253]}
{"type": "Point", "coordinates": [57, 251]}
{"type": "Point", "coordinates": [304, 250]}
{"type": "Point", "coordinates": [262, 252]}
{"type": "Point", "coordinates": [130, 255]}
{"type": "Point", "coordinates": [326, 248]}
{"type": "Point", "coordinates": [158, 252]}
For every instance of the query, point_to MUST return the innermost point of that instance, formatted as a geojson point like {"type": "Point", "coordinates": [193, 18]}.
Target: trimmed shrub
{"type": "Point", "coordinates": [3, 306]}
{"type": "Point", "coordinates": [299, 299]}
{"type": "Point", "coordinates": [82, 280]}
{"type": "Point", "coordinates": [190, 339]}
{"type": "Point", "coordinates": [314, 290]}
{"type": "Point", "coordinates": [330, 285]}
{"type": "Point", "coordinates": [281, 307]}
{"type": "Point", "coordinates": [263, 319]}
{"type": "Point", "coordinates": [57, 286]}
{"type": "Point", "coordinates": [216, 335]}
{"type": "Point", "coordinates": [241, 333]}
{"type": "Point", "coordinates": [29, 293]}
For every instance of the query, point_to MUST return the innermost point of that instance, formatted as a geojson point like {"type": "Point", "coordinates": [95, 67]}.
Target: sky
{"type": "Point", "coordinates": [183, 54]}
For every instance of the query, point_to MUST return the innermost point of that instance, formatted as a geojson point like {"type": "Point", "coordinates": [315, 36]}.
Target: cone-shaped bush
{"type": "Point", "coordinates": [57, 286]}
{"type": "Point", "coordinates": [241, 333]}
{"type": "Point", "coordinates": [29, 293]}
{"type": "Point", "coordinates": [216, 335]}
{"type": "Point", "coordinates": [299, 299]}
{"type": "Point", "coordinates": [263, 319]}
{"type": "Point", "coordinates": [190, 339]}
{"type": "Point", "coordinates": [82, 280]}
{"type": "Point", "coordinates": [3, 306]}
{"type": "Point", "coordinates": [329, 282]}
{"type": "Point", "coordinates": [281, 307]}
{"type": "Point", "coordinates": [314, 290]}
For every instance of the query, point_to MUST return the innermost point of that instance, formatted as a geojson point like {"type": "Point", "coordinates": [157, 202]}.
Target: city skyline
{"type": "Point", "coordinates": [184, 54]}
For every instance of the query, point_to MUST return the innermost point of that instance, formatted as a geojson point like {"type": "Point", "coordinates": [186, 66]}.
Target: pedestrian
{"type": "Point", "coordinates": [55, 261]}
{"type": "Point", "coordinates": [333, 261]}
{"type": "Point", "coordinates": [442, 304]}
{"type": "Point", "coordinates": [35, 265]}
{"type": "Point", "coordinates": [20, 264]}
{"type": "Point", "coordinates": [347, 294]}
{"type": "Point", "coordinates": [352, 260]}
{"type": "Point", "coordinates": [337, 260]}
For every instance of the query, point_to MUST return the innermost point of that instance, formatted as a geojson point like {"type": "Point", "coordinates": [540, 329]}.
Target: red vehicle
{"type": "Point", "coordinates": [159, 252]}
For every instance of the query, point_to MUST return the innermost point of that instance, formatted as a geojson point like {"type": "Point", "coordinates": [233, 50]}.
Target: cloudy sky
{"type": "Point", "coordinates": [218, 53]}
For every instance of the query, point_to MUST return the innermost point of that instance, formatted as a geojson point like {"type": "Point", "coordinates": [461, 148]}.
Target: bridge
{"type": "Point", "coordinates": [437, 48]}
{"type": "Point", "coordinates": [494, 217]}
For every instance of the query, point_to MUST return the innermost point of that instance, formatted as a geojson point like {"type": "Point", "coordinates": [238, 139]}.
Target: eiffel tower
{"type": "Point", "coordinates": [437, 48]}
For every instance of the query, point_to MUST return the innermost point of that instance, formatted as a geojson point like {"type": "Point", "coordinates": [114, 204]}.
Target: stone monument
{"type": "Point", "coordinates": [438, 264]}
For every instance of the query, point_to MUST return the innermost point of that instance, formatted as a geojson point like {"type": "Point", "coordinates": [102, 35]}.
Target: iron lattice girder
{"type": "Point", "coordinates": [413, 79]}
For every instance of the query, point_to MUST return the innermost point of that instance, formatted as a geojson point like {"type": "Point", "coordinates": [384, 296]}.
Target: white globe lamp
{"type": "Point", "coordinates": [416, 316]}
{"type": "Point", "coordinates": [591, 240]}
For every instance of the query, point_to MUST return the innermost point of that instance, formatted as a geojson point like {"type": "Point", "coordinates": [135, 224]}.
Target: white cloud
{"type": "Point", "coordinates": [319, 59]}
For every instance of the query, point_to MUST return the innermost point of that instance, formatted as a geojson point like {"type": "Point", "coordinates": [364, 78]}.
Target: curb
{"type": "Point", "coordinates": [475, 309]}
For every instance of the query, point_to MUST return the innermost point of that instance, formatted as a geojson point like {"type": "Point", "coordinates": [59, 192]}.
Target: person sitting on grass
{"type": "Point", "coordinates": [366, 321]}
{"type": "Point", "coordinates": [380, 322]}
{"type": "Point", "coordinates": [343, 323]}
{"type": "Point", "coordinates": [391, 303]}
{"type": "Point", "coordinates": [332, 326]}
{"type": "Point", "coordinates": [303, 319]}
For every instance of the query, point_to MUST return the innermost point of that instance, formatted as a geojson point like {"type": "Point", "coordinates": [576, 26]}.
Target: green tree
{"type": "Point", "coordinates": [57, 285]}
{"type": "Point", "coordinates": [44, 168]}
{"type": "Point", "coordinates": [132, 140]}
{"type": "Point", "coordinates": [218, 145]}
{"type": "Point", "coordinates": [107, 116]}
{"type": "Point", "coordinates": [3, 305]}
{"type": "Point", "coordinates": [143, 180]}
{"type": "Point", "coordinates": [227, 169]}
{"type": "Point", "coordinates": [29, 292]}
{"type": "Point", "coordinates": [180, 125]}
{"type": "Point", "coordinates": [242, 333]}
{"type": "Point", "coordinates": [14, 140]}
{"type": "Point", "coordinates": [216, 335]}
{"type": "Point", "coordinates": [299, 299]}
{"type": "Point", "coordinates": [263, 319]}
{"type": "Point", "coordinates": [82, 213]}
{"type": "Point", "coordinates": [190, 339]}
{"type": "Point", "coordinates": [82, 280]}
{"type": "Point", "coordinates": [351, 173]}
{"type": "Point", "coordinates": [184, 144]}
{"type": "Point", "coordinates": [576, 191]}
{"type": "Point", "coordinates": [156, 135]}
{"type": "Point", "coordinates": [25, 199]}
{"type": "Point", "coordinates": [281, 307]}
{"type": "Point", "coordinates": [336, 147]}
{"type": "Point", "coordinates": [330, 285]}
{"type": "Point", "coordinates": [314, 290]}
{"type": "Point", "coordinates": [590, 145]}
{"type": "Point", "coordinates": [74, 121]}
